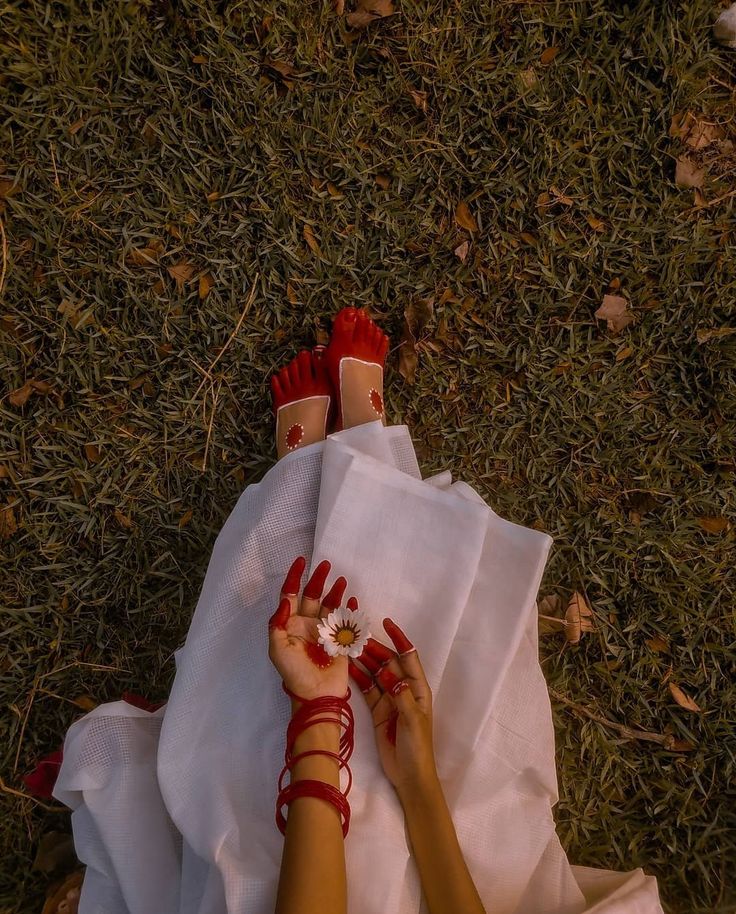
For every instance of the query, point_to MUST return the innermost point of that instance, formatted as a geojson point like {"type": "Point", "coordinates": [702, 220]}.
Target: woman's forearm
{"type": "Point", "coordinates": [313, 877]}
{"type": "Point", "coordinates": [446, 882]}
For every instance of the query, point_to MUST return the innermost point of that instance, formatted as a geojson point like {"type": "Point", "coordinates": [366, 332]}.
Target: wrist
{"type": "Point", "coordinates": [418, 791]}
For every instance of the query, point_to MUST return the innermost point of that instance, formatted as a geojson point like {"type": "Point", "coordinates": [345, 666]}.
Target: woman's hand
{"type": "Point", "coordinates": [305, 667]}
{"type": "Point", "coordinates": [400, 700]}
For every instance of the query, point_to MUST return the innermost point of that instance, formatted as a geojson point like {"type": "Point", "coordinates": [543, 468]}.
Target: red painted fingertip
{"type": "Point", "coordinates": [361, 679]}
{"type": "Point", "coordinates": [281, 616]}
{"type": "Point", "coordinates": [352, 603]}
{"type": "Point", "coordinates": [379, 651]}
{"type": "Point", "coordinates": [334, 598]}
{"type": "Point", "coordinates": [294, 577]}
{"type": "Point", "coordinates": [370, 663]}
{"type": "Point", "coordinates": [389, 682]}
{"type": "Point", "coordinates": [316, 584]}
{"type": "Point", "coordinates": [401, 642]}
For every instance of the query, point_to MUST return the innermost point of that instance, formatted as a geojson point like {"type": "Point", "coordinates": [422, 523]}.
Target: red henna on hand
{"type": "Point", "coordinates": [379, 651]}
{"type": "Point", "coordinates": [294, 577]}
{"type": "Point", "coordinates": [361, 679]}
{"type": "Point", "coordinates": [318, 655]}
{"type": "Point", "coordinates": [336, 593]}
{"type": "Point", "coordinates": [281, 616]}
{"type": "Point", "coordinates": [401, 642]}
{"type": "Point", "coordinates": [391, 683]}
{"type": "Point", "coordinates": [352, 603]}
{"type": "Point", "coordinates": [316, 584]}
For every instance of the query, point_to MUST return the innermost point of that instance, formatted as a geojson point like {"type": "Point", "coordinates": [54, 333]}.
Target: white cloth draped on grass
{"type": "Point", "coordinates": [174, 811]}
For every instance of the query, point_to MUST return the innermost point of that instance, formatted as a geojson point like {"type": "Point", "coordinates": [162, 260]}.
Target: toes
{"type": "Point", "coordinates": [345, 322]}
{"type": "Point", "coordinates": [277, 391]}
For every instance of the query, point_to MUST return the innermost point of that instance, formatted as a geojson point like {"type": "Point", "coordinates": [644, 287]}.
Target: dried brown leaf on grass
{"type": "Point", "coordinates": [548, 55]}
{"type": "Point", "coordinates": [657, 644]}
{"type": "Point", "coordinates": [464, 218]}
{"type": "Point", "coordinates": [687, 173]}
{"type": "Point", "coordinates": [578, 618]}
{"type": "Point", "coordinates": [461, 251]}
{"type": "Point", "coordinates": [147, 256]}
{"type": "Point", "coordinates": [703, 336]}
{"type": "Point", "coordinates": [123, 520]}
{"type": "Point", "coordinates": [185, 518]}
{"type": "Point", "coordinates": [417, 314]}
{"type": "Point", "coordinates": [713, 524]}
{"type": "Point", "coordinates": [550, 616]}
{"type": "Point", "coordinates": [21, 396]}
{"type": "Point", "coordinates": [682, 698]}
{"type": "Point", "coordinates": [206, 284]}
{"type": "Point", "coordinates": [63, 897]}
{"type": "Point", "coordinates": [311, 240]}
{"type": "Point", "coordinates": [695, 132]}
{"type": "Point", "coordinates": [92, 453]}
{"type": "Point", "coordinates": [181, 273]}
{"type": "Point", "coordinates": [8, 522]}
{"type": "Point", "coordinates": [367, 11]}
{"type": "Point", "coordinates": [615, 311]}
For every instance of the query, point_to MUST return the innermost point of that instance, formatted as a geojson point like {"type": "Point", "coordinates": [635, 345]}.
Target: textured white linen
{"type": "Point", "coordinates": [183, 823]}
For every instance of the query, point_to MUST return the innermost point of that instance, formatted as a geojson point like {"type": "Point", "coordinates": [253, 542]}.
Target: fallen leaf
{"type": "Point", "coordinates": [181, 273]}
{"type": "Point", "coordinates": [200, 59]}
{"type": "Point", "coordinates": [284, 70]}
{"type": "Point", "coordinates": [578, 617]}
{"type": "Point", "coordinates": [291, 294]}
{"type": "Point", "coordinates": [528, 238]}
{"type": "Point", "coordinates": [206, 283]}
{"type": "Point", "coordinates": [92, 453]}
{"type": "Point", "coordinates": [461, 251]}
{"type": "Point", "coordinates": [383, 181]}
{"type": "Point", "coordinates": [624, 353]}
{"type": "Point", "coordinates": [713, 524]}
{"type": "Point", "coordinates": [550, 616]}
{"type": "Point", "coordinates": [8, 188]}
{"type": "Point", "coordinates": [85, 702]}
{"type": "Point", "coordinates": [688, 174]}
{"type": "Point", "coordinates": [465, 218]}
{"type": "Point", "coordinates": [367, 11]}
{"type": "Point", "coordinates": [123, 519]}
{"type": "Point", "coordinates": [416, 316]}
{"type": "Point", "coordinates": [657, 644]}
{"type": "Point", "coordinates": [20, 396]}
{"type": "Point", "coordinates": [214, 195]}
{"type": "Point", "coordinates": [72, 311]}
{"type": "Point", "coordinates": [704, 335]}
{"type": "Point", "coordinates": [8, 523]}
{"type": "Point", "coordinates": [596, 224]}
{"type": "Point", "coordinates": [76, 126]}
{"type": "Point", "coordinates": [694, 131]}
{"type": "Point", "coordinates": [147, 256]}
{"type": "Point", "coordinates": [615, 311]}
{"type": "Point", "coordinates": [185, 518]}
{"type": "Point", "coordinates": [339, 6]}
{"type": "Point", "coordinates": [419, 99]}
{"type": "Point", "coordinates": [311, 240]}
{"type": "Point", "coordinates": [682, 699]}
{"type": "Point", "coordinates": [548, 56]}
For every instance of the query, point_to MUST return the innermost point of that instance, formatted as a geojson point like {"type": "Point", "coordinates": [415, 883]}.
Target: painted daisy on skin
{"type": "Point", "coordinates": [344, 632]}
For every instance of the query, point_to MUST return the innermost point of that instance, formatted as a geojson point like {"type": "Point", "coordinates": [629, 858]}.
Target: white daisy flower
{"type": "Point", "coordinates": [344, 631]}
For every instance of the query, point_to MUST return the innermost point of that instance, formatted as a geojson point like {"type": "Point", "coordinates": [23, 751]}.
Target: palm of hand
{"type": "Point", "coordinates": [304, 666]}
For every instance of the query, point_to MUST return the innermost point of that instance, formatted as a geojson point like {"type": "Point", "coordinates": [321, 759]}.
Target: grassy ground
{"type": "Point", "coordinates": [206, 138]}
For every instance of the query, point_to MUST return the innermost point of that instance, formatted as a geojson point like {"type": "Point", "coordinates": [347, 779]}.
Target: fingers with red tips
{"type": "Point", "coordinates": [316, 584]}
{"type": "Point", "coordinates": [401, 642]}
{"type": "Point", "coordinates": [389, 682]}
{"type": "Point", "coordinates": [281, 616]}
{"type": "Point", "coordinates": [370, 663]}
{"type": "Point", "coordinates": [379, 651]}
{"type": "Point", "coordinates": [294, 577]}
{"type": "Point", "coordinates": [361, 679]}
{"type": "Point", "coordinates": [352, 603]}
{"type": "Point", "coordinates": [334, 598]}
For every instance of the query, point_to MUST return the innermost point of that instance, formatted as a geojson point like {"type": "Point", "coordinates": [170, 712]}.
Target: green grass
{"type": "Point", "coordinates": [115, 138]}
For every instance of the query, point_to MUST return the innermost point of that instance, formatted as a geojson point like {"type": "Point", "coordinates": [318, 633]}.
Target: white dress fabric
{"type": "Point", "coordinates": [173, 812]}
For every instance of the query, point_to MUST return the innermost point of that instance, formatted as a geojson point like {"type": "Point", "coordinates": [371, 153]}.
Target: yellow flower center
{"type": "Point", "coordinates": [344, 636]}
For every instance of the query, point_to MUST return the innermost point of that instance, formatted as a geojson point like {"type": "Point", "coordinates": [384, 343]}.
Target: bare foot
{"type": "Point", "coordinates": [355, 359]}
{"type": "Point", "coordinates": [302, 395]}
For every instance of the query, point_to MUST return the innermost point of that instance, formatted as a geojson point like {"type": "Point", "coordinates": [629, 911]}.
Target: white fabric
{"type": "Point", "coordinates": [183, 822]}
